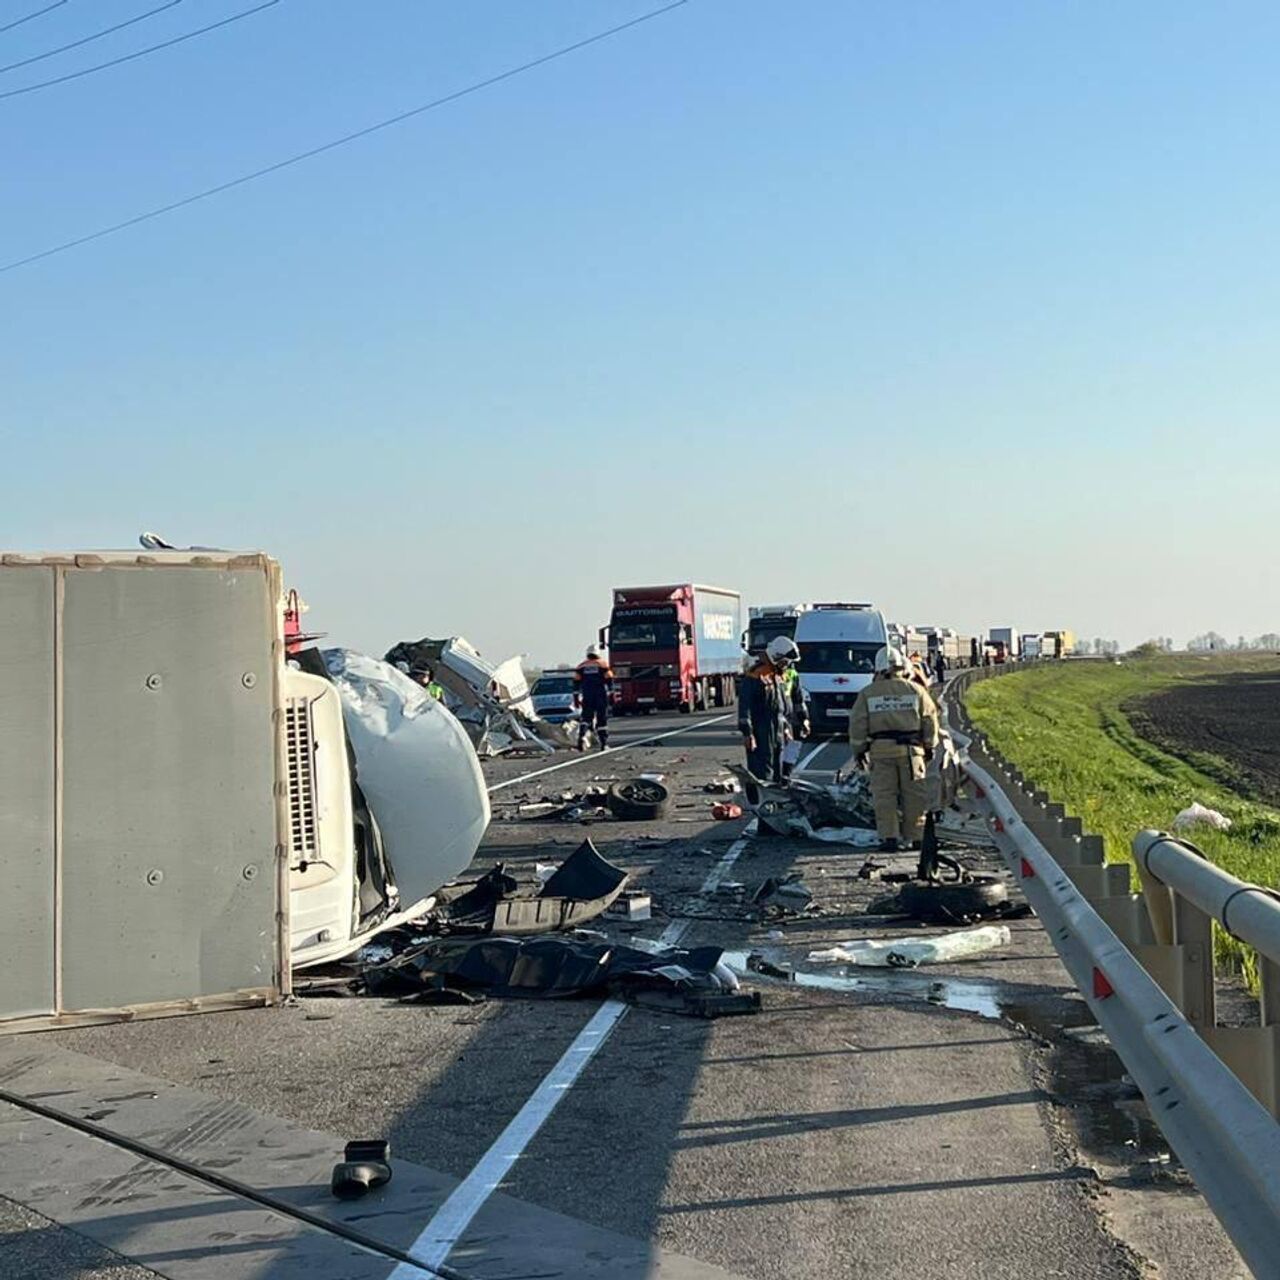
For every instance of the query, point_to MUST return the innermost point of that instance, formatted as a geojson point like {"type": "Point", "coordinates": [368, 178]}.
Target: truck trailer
{"type": "Point", "coordinates": [1058, 644]}
{"type": "Point", "coordinates": [673, 647]}
{"type": "Point", "coordinates": [1006, 638]}
{"type": "Point", "coordinates": [767, 622]}
{"type": "Point", "coordinates": [954, 650]}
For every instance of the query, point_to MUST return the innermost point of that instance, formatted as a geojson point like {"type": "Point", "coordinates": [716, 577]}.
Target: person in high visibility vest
{"type": "Point", "coordinates": [426, 677]}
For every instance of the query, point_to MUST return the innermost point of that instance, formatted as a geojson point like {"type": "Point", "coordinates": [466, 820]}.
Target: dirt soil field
{"type": "Point", "coordinates": [1235, 717]}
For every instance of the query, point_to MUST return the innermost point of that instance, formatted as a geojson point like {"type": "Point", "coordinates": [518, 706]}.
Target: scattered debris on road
{"type": "Point", "coordinates": [786, 896]}
{"type": "Point", "coordinates": [723, 787]}
{"type": "Point", "coordinates": [678, 981]}
{"type": "Point", "coordinates": [642, 799]}
{"type": "Point", "coordinates": [493, 702]}
{"type": "Point", "coordinates": [364, 1167]}
{"type": "Point", "coordinates": [907, 953]}
{"type": "Point", "coordinates": [631, 905]}
{"type": "Point", "coordinates": [583, 887]}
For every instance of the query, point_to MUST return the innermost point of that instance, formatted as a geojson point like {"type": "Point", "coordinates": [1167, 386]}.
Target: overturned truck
{"type": "Point", "coordinates": [176, 770]}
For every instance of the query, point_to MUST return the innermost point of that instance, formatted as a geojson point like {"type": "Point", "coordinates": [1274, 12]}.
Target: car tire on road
{"type": "Point", "coordinates": [981, 897]}
{"type": "Point", "coordinates": [638, 800]}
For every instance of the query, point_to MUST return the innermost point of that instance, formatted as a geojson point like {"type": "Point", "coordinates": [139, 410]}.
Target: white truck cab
{"type": "Point", "coordinates": [838, 646]}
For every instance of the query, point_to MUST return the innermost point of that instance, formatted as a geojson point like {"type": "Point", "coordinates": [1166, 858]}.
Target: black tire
{"type": "Point", "coordinates": [638, 800]}
{"type": "Point", "coordinates": [979, 898]}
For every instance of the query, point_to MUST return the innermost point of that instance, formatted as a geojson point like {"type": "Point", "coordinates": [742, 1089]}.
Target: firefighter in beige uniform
{"type": "Point", "coordinates": [894, 726]}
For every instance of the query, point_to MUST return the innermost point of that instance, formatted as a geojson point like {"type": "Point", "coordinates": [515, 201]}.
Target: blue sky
{"type": "Point", "coordinates": [966, 308]}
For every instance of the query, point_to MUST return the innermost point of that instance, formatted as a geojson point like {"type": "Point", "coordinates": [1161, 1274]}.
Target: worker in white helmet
{"type": "Point", "coordinates": [765, 708]}
{"type": "Point", "coordinates": [893, 730]}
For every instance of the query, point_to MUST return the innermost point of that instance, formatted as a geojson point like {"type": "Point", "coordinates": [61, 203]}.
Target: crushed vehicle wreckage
{"type": "Point", "coordinates": [387, 802]}
{"type": "Point", "coordinates": [493, 702]}
{"type": "Point", "coordinates": [941, 891]}
{"type": "Point", "coordinates": [583, 887]}
{"type": "Point", "coordinates": [694, 981]}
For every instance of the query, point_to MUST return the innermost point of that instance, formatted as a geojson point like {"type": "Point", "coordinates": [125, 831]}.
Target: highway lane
{"type": "Point", "coordinates": [878, 1131]}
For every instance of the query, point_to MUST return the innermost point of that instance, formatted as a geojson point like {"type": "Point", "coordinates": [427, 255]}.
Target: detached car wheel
{"type": "Point", "coordinates": [977, 899]}
{"type": "Point", "coordinates": [638, 800]}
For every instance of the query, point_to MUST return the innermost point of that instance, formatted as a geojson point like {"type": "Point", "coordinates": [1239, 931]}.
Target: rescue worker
{"type": "Point", "coordinates": [593, 681]}
{"type": "Point", "coordinates": [798, 700]}
{"type": "Point", "coordinates": [426, 677]}
{"type": "Point", "coordinates": [765, 708]}
{"type": "Point", "coordinates": [893, 728]}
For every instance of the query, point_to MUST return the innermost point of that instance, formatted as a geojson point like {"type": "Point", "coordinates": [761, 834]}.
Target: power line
{"type": "Point", "coordinates": [344, 140]}
{"type": "Point", "coordinates": [140, 53]}
{"type": "Point", "coordinates": [9, 26]}
{"type": "Point", "coordinates": [97, 35]}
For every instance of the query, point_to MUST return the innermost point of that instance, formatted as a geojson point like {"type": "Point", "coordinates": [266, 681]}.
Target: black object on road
{"type": "Point", "coordinates": [365, 1166]}
{"type": "Point", "coordinates": [583, 887]}
{"type": "Point", "coordinates": [557, 966]}
{"type": "Point", "coordinates": [638, 800]}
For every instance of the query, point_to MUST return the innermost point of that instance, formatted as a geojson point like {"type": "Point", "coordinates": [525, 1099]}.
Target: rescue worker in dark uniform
{"type": "Point", "coordinates": [894, 729]}
{"type": "Point", "coordinates": [765, 708]}
{"type": "Point", "coordinates": [594, 682]}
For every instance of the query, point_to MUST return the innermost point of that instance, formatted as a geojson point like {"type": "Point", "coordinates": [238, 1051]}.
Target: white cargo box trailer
{"type": "Point", "coordinates": [143, 789]}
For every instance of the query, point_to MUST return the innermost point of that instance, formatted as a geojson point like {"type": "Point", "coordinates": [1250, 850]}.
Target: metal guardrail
{"type": "Point", "coordinates": [1224, 1136]}
{"type": "Point", "coordinates": [1144, 963]}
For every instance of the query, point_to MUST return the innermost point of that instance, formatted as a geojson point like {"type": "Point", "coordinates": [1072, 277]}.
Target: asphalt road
{"type": "Point", "coordinates": [938, 1123]}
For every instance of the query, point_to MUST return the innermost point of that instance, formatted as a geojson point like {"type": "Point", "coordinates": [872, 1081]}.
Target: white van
{"type": "Point", "coordinates": [838, 646]}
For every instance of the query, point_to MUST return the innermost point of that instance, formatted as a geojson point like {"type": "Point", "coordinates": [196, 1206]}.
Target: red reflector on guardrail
{"type": "Point", "coordinates": [1027, 870]}
{"type": "Point", "coordinates": [997, 824]}
{"type": "Point", "coordinates": [1102, 987]}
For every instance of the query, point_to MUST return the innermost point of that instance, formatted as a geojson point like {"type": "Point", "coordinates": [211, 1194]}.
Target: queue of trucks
{"type": "Point", "coordinates": [681, 646]}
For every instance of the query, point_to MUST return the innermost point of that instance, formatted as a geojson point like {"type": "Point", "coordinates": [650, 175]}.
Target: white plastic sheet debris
{"type": "Point", "coordinates": [1198, 815]}
{"type": "Point", "coordinates": [858, 837]}
{"type": "Point", "coordinates": [417, 769]}
{"type": "Point", "coordinates": [906, 953]}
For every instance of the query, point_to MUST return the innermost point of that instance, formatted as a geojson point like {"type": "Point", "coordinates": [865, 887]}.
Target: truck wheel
{"type": "Point", "coordinates": [638, 800]}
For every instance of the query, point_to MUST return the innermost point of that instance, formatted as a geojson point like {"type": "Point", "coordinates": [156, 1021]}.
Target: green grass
{"type": "Point", "coordinates": [1064, 727]}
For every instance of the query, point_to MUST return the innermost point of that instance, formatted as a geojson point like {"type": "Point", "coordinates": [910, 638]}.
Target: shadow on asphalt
{"type": "Point", "coordinates": [900, 1188]}
{"type": "Point", "coordinates": [754, 1128]}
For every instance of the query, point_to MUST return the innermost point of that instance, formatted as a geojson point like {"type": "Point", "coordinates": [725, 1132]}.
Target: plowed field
{"type": "Point", "coordinates": [1235, 717]}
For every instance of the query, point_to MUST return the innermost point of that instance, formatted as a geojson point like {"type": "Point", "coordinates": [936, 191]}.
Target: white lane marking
{"type": "Point", "coordinates": [608, 751]}
{"type": "Point", "coordinates": [455, 1215]}
{"type": "Point", "coordinates": [818, 750]}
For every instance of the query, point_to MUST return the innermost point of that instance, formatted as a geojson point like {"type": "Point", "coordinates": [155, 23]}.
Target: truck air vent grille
{"type": "Point", "coordinates": [304, 842]}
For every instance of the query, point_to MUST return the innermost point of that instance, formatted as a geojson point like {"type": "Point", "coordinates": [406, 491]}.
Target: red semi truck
{"type": "Point", "coordinates": [673, 647]}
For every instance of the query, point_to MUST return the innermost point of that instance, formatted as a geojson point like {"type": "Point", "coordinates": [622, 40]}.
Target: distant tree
{"type": "Point", "coordinates": [1147, 649]}
{"type": "Point", "coordinates": [1099, 645]}
{"type": "Point", "coordinates": [1084, 647]}
{"type": "Point", "coordinates": [1207, 642]}
{"type": "Point", "coordinates": [1268, 640]}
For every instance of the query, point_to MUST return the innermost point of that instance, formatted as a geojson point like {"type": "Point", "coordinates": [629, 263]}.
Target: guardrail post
{"type": "Point", "coordinates": [1126, 917]}
{"type": "Point", "coordinates": [1269, 995]}
{"type": "Point", "coordinates": [1193, 929]}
